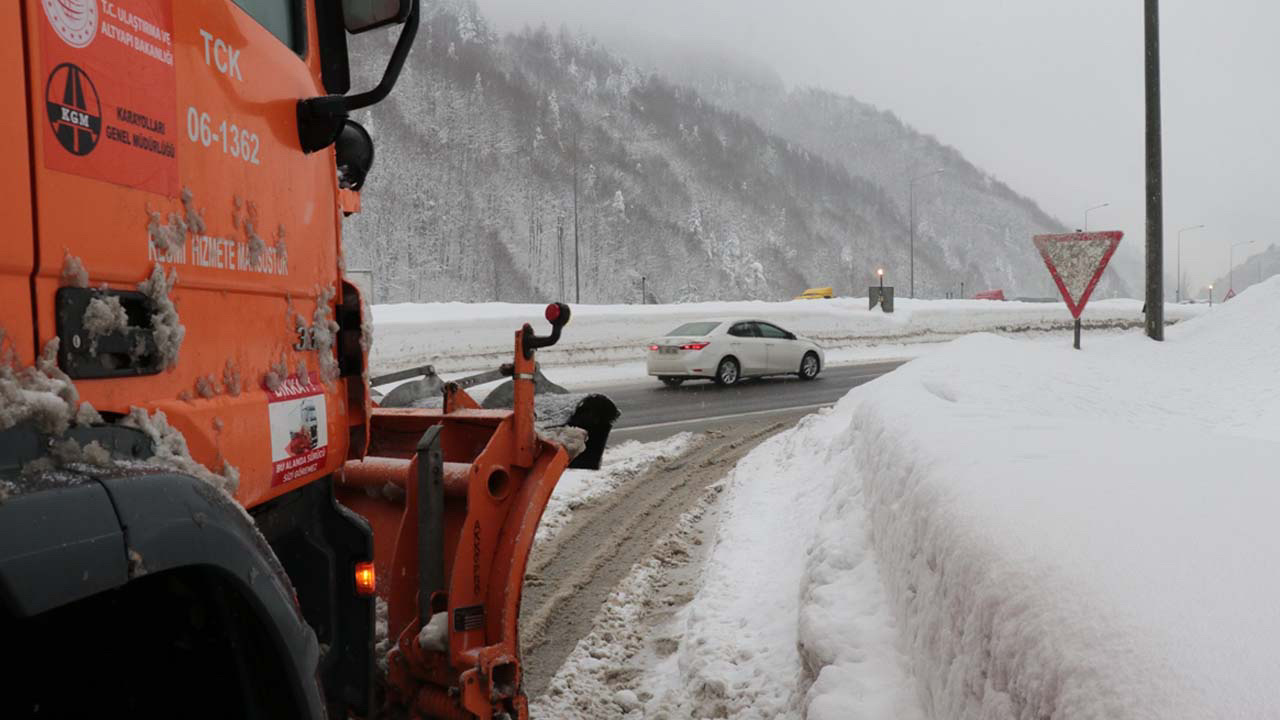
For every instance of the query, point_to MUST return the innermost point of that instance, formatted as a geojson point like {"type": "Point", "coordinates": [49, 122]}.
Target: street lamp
{"type": "Point", "coordinates": [1211, 296]}
{"type": "Point", "coordinates": [1177, 282]}
{"type": "Point", "coordinates": [911, 192]}
{"type": "Point", "coordinates": [1086, 214]}
{"type": "Point", "coordinates": [880, 273]}
{"type": "Point", "coordinates": [577, 284]}
{"type": "Point", "coordinates": [1231, 265]}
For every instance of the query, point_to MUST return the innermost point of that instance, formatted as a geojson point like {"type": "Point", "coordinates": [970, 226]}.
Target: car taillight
{"type": "Point", "coordinates": [653, 348]}
{"type": "Point", "coordinates": [694, 346]}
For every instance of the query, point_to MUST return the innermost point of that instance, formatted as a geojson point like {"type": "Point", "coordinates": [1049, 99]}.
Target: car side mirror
{"type": "Point", "coordinates": [791, 336]}
{"type": "Point", "coordinates": [364, 15]}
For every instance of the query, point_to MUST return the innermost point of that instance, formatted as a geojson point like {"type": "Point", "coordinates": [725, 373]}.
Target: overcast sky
{"type": "Point", "coordinates": [1045, 94]}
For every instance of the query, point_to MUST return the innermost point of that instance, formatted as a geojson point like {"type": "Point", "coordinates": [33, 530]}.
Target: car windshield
{"type": "Point", "coordinates": [694, 328]}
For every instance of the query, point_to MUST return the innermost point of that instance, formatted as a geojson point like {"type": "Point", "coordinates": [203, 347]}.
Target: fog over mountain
{"type": "Point", "coordinates": [1046, 96]}
{"type": "Point", "coordinates": [707, 179]}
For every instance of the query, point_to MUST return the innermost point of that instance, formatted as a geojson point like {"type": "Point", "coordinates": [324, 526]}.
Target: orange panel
{"type": "Point", "coordinates": [18, 257]}
{"type": "Point", "coordinates": [194, 100]}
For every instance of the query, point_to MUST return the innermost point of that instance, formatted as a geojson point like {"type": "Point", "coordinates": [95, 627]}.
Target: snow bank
{"type": "Point", "coordinates": [742, 653]}
{"type": "Point", "coordinates": [459, 336]}
{"type": "Point", "coordinates": [1083, 534]}
{"type": "Point", "coordinates": [1011, 530]}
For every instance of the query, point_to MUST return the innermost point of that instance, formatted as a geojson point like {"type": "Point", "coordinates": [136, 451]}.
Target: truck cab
{"type": "Point", "coordinates": [172, 295]}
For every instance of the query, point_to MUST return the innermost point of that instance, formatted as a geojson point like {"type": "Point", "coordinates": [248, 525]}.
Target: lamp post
{"type": "Point", "coordinates": [911, 193]}
{"type": "Point", "coordinates": [577, 258]}
{"type": "Point", "coordinates": [577, 283]}
{"type": "Point", "coordinates": [1178, 280]}
{"type": "Point", "coordinates": [1231, 265]}
{"type": "Point", "coordinates": [1210, 296]}
{"type": "Point", "coordinates": [880, 273]}
{"type": "Point", "coordinates": [1086, 214]}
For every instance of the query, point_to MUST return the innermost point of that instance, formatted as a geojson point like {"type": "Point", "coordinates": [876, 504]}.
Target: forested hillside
{"type": "Point", "coordinates": [472, 195]}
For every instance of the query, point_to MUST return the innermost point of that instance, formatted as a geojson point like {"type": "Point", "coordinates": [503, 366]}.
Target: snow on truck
{"type": "Point", "coordinates": [202, 511]}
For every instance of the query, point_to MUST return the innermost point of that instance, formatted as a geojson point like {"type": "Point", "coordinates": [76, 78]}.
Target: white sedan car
{"type": "Point", "coordinates": [728, 350]}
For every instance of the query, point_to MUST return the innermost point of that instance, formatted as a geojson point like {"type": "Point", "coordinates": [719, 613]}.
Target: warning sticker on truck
{"type": "Point", "coordinates": [299, 428]}
{"type": "Point", "coordinates": [111, 92]}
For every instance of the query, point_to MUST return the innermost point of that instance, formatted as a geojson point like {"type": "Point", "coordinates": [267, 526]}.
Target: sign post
{"type": "Point", "coordinates": [1076, 262]}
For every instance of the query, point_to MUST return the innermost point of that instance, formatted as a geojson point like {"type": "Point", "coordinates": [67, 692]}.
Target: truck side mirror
{"type": "Point", "coordinates": [365, 15]}
{"type": "Point", "coordinates": [321, 119]}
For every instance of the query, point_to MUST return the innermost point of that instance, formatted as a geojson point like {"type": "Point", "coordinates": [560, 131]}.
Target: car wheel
{"type": "Point", "coordinates": [671, 381]}
{"type": "Point", "coordinates": [728, 372]}
{"type": "Point", "coordinates": [809, 367]}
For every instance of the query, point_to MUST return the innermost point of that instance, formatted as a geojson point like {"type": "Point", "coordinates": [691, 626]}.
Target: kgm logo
{"type": "Point", "coordinates": [75, 21]}
{"type": "Point", "coordinates": [75, 113]}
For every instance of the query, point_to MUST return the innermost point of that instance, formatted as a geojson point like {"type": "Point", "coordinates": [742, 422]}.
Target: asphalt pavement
{"type": "Point", "coordinates": [652, 411]}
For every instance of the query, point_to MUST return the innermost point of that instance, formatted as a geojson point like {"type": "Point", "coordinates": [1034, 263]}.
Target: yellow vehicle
{"type": "Point", "coordinates": [822, 293]}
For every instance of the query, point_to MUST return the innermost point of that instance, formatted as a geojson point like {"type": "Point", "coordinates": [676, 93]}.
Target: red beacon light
{"type": "Point", "coordinates": [558, 314]}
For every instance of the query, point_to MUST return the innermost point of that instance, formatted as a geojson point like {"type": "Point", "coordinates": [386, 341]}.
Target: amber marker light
{"type": "Point", "coordinates": [366, 579]}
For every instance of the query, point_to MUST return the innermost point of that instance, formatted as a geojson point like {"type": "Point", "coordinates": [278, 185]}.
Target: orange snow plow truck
{"type": "Point", "coordinates": [202, 511]}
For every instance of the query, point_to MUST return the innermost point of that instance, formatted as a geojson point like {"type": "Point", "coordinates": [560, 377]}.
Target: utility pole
{"type": "Point", "coordinates": [1231, 265]}
{"type": "Point", "coordinates": [1178, 280]}
{"type": "Point", "coordinates": [577, 283]}
{"type": "Point", "coordinates": [911, 201]}
{"type": "Point", "coordinates": [1155, 178]}
{"type": "Point", "coordinates": [560, 250]}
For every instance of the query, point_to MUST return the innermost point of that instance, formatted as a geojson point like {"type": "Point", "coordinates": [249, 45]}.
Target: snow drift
{"type": "Point", "coordinates": [1084, 534]}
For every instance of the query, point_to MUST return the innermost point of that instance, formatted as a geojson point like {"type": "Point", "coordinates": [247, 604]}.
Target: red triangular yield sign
{"type": "Point", "coordinates": [1076, 262]}
{"type": "Point", "coordinates": [1230, 294]}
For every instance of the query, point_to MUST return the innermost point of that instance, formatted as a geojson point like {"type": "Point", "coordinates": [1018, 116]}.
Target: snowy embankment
{"type": "Point", "coordinates": [1010, 530]}
{"type": "Point", "coordinates": [459, 337]}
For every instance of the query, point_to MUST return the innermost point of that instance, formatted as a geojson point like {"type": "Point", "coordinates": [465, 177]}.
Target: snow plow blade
{"type": "Point", "coordinates": [592, 413]}
{"type": "Point", "coordinates": [555, 407]}
{"type": "Point", "coordinates": [455, 494]}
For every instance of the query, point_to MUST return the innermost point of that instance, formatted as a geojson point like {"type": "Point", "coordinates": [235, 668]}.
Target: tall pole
{"type": "Point", "coordinates": [1086, 214]}
{"type": "Point", "coordinates": [911, 194]}
{"type": "Point", "coordinates": [560, 251]}
{"type": "Point", "coordinates": [1155, 178]}
{"type": "Point", "coordinates": [577, 283]}
{"type": "Point", "coordinates": [1178, 280]}
{"type": "Point", "coordinates": [1231, 265]}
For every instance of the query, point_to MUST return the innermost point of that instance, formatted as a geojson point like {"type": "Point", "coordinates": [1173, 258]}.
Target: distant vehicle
{"type": "Point", "coordinates": [822, 293]}
{"type": "Point", "coordinates": [727, 351]}
{"type": "Point", "coordinates": [990, 295]}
